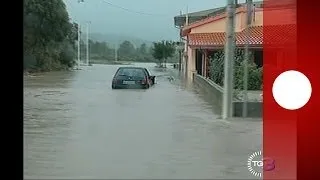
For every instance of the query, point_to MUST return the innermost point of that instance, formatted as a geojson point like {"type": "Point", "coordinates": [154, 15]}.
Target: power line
{"type": "Point", "coordinates": [132, 11]}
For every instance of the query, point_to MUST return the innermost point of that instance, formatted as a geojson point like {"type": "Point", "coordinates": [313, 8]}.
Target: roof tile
{"type": "Point", "coordinates": [278, 34]}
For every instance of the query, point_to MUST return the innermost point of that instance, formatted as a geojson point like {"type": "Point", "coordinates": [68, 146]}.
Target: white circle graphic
{"type": "Point", "coordinates": [292, 90]}
{"type": "Point", "coordinates": [256, 171]}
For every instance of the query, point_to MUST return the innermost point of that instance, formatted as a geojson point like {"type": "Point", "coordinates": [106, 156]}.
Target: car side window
{"type": "Point", "coordinates": [121, 71]}
{"type": "Point", "coordinates": [147, 72]}
{"type": "Point", "coordinates": [117, 72]}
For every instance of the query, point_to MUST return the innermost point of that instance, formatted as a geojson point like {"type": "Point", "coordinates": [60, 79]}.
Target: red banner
{"type": "Point", "coordinates": [291, 88]}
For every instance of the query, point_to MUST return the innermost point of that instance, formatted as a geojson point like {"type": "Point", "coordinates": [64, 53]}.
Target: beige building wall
{"type": "Point", "coordinates": [258, 21]}
{"type": "Point", "coordinates": [216, 26]}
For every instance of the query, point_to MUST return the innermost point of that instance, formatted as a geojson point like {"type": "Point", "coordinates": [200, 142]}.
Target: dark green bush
{"type": "Point", "coordinates": [217, 71]}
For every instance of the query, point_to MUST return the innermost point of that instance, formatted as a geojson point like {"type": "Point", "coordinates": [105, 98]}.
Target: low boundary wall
{"type": "Point", "coordinates": [254, 108]}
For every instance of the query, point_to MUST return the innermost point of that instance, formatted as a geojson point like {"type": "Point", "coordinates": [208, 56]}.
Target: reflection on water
{"type": "Point", "coordinates": [76, 126]}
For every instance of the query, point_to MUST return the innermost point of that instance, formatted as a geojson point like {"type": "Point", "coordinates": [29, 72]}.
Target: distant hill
{"type": "Point", "coordinates": [113, 39]}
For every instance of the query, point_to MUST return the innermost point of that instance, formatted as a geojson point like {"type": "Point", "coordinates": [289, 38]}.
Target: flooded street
{"type": "Point", "coordinates": [76, 126]}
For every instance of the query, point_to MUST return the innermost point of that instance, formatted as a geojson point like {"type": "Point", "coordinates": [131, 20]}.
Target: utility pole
{"type": "Point", "coordinates": [186, 44]}
{"type": "Point", "coordinates": [79, 38]}
{"type": "Point", "coordinates": [227, 110]}
{"type": "Point", "coordinates": [180, 42]}
{"type": "Point", "coordinates": [116, 52]}
{"type": "Point", "coordinates": [79, 45]}
{"type": "Point", "coordinates": [87, 62]}
{"type": "Point", "coordinates": [246, 59]}
{"type": "Point", "coordinates": [187, 16]}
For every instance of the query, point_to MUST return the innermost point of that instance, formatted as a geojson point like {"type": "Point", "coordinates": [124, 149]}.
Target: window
{"type": "Point", "coordinates": [133, 72]}
{"type": "Point", "coordinates": [258, 57]}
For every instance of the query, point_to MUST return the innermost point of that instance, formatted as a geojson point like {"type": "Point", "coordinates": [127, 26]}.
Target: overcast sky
{"type": "Point", "coordinates": [106, 18]}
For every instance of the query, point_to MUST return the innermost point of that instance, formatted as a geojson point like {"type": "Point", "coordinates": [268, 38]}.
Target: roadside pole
{"type": "Point", "coordinates": [180, 42]}
{"type": "Point", "coordinates": [79, 38]}
{"type": "Point", "coordinates": [246, 60]}
{"type": "Point", "coordinates": [116, 52]}
{"type": "Point", "coordinates": [87, 62]}
{"type": "Point", "coordinates": [227, 110]}
{"type": "Point", "coordinates": [79, 45]}
{"type": "Point", "coordinates": [180, 57]}
{"type": "Point", "coordinates": [186, 46]}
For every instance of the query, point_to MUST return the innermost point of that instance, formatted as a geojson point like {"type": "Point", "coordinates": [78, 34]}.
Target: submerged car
{"type": "Point", "coordinates": [132, 78]}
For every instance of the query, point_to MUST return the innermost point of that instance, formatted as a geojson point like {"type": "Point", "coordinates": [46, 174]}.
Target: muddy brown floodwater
{"type": "Point", "coordinates": [76, 126]}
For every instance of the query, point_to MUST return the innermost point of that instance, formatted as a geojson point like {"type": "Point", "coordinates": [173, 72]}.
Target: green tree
{"type": "Point", "coordinates": [143, 49]}
{"type": "Point", "coordinates": [126, 52]}
{"type": "Point", "coordinates": [99, 50]}
{"type": "Point", "coordinates": [157, 51]}
{"type": "Point", "coordinates": [49, 37]}
{"type": "Point", "coordinates": [126, 49]}
{"type": "Point", "coordinates": [163, 50]}
{"type": "Point", "coordinates": [255, 78]}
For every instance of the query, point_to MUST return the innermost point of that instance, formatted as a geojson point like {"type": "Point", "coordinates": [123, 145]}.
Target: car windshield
{"type": "Point", "coordinates": [131, 72]}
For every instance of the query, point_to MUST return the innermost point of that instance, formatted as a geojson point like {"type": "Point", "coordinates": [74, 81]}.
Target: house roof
{"type": "Point", "coordinates": [278, 34]}
{"type": "Point", "coordinates": [196, 16]}
{"type": "Point", "coordinates": [207, 20]}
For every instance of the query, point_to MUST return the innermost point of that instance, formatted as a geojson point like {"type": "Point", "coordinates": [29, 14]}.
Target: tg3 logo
{"type": "Point", "coordinates": [256, 166]}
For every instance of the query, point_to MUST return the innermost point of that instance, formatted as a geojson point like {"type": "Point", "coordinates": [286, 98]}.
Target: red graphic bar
{"type": "Point", "coordinates": [279, 125]}
{"type": "Point", "coordinates": [308, 21]}
{"type": "Point", "coordinates": [291, 42]}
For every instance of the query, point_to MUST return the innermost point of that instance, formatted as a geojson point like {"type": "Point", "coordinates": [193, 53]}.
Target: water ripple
{"type": "Point", "coordinates": [76, 126]}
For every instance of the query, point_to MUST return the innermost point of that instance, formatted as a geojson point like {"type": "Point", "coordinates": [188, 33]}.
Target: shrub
{"type": "Point", "coordinates": [217, 71]}
{"type": "Point", "coordinates": [67, 55]}
{"type": "Point", "coordinates": [254, 77]}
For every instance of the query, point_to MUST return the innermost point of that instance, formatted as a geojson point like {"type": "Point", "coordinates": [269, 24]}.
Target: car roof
{"type": "Point", "coordinates": [142, 68]}
{"type": "Point", "coordinates": [131, 67]}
